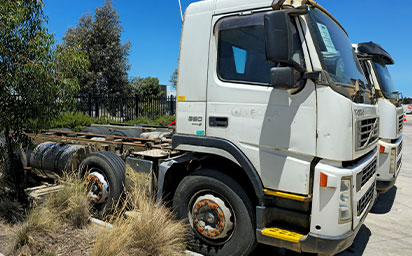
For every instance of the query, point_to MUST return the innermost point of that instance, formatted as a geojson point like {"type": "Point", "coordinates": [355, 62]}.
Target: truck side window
{"type": "Point", "coordinates": [241, 50]}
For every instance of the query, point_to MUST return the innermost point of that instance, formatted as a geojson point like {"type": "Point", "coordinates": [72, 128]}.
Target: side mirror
{"type": "Point", "coordinates": [284, 78]}
{"type": "Point", "coordinates": [278, 39]}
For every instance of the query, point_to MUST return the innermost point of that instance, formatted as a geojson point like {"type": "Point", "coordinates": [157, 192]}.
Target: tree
{"type": "Point", "coordinates": [36, 80]}
{"type": "Point", "coordinates": [100, 37]}
{"type": "Point", "coordinates": [173, 79]}
{"type": "Point", "coordinates": [147, 87]}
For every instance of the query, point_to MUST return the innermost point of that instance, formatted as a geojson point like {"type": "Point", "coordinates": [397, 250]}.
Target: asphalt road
{"type": "Point", "coordinates": [387, 229]}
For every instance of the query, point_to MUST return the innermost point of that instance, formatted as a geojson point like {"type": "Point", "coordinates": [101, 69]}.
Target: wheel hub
{"type": "Point", "coordinates": [211, 217]}
{"type": "Point", "coordinates": [97, 187]}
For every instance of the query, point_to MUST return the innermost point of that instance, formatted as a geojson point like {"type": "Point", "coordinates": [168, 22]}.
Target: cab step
{"type": "Point", "coordinates": [282, 234]}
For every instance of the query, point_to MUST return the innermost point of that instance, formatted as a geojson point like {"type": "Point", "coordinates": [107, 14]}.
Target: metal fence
{"type": "Point", "coordinates": [123, 107]}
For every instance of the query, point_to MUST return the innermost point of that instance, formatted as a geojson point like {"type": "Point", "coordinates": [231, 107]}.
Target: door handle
{"type": "Point", "coordinates": [215, 121]}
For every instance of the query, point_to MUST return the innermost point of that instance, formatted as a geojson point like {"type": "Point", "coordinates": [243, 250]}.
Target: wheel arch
{"type": "Point", "coordinates": [232, 162]}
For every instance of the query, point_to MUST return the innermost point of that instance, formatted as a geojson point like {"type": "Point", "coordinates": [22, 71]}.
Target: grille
{"type": "Point", "coordinates": [366, 173]}
{"type": "Point", "coordinates": [398, 164]}
{"type": "Point", "coordinates": [399, 149]}
{"type": "Point", "coordinates": [368, 132]}
{"type": "Point", "coordinates": [364, 201]}
{"type": "Point", "coordinates": [400, 124]}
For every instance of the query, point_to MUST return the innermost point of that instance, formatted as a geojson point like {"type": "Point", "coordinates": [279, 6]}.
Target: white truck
{"type": "Point", "coordinates": [276, 135]}
{"type": "Point", "coordinates": [373, 60]}
{"type": "Point", "coordinates": [273, 96]}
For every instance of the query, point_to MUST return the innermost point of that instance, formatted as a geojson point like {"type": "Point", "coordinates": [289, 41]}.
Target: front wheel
{"type": "Point", "coordinates": [219, 212]}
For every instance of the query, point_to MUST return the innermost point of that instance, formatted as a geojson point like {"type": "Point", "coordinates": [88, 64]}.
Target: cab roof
{"type": "Point", "coordinates": [225, 6]}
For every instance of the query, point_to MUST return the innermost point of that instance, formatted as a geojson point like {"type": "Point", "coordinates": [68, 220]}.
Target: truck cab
{"type": "Point", "coordinates": [278, 126]}
{"type": "Point", "coordinates": [374, 60]}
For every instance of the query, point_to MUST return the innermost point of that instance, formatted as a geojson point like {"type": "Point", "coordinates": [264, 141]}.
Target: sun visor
{"type": "Point", "coordinates": [376, 51]}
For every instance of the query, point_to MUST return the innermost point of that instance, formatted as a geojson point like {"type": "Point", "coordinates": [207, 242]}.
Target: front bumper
{"type": "Point", "coordinates": [332, 245]}
{"type": "Point", "coordinates": [313, 243]}
{"type": "Point", "coordinates": [390, 162]}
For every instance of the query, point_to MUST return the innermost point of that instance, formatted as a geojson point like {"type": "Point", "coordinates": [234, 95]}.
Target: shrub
{"type": "Point", "coordinates": [75, 121]}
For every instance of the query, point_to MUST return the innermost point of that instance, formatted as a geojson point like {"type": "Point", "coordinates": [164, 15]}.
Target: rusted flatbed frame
{"type": "Point", "coordinates": [98, 142]}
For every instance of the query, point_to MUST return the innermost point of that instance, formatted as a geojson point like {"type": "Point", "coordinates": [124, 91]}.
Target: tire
{"type": "Point", "coordinates": [109, 168]}
{"type": "Point", "coordinates": [127, 133]}
{"type": "Point", "coordinates": [96, 130]}
{"type": "Point", "coordinates": [201, 191]}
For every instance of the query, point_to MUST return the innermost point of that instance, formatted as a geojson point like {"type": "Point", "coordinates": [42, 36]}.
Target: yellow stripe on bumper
{"type": "Point", "coordinates": [285, 195]}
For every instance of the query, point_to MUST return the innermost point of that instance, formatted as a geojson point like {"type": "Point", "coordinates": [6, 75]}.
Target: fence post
{"type": "Point", "coordinates": [169, 99]}
{"type": "Point", "coordinates": [137, 105]}
{"type": "Point", "coordinates": [172, 105]}
{"type": "Point", "coordinates": [96, 107]}
{"type": "Point", "coordinates": [90, 104]}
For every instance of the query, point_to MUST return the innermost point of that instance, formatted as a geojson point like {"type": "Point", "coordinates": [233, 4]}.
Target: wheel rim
{"type": "Point", "coordinates": [212, 217]}
{"type": "Point", "coordinates": [97, 187]}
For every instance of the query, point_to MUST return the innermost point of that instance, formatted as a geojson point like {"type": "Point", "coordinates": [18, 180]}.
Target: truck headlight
{"type": "Point", "coordinates": [345, 200]}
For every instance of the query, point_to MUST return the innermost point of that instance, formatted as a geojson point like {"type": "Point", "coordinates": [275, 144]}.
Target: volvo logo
{"type": "Point", "coordinates": [359, 112]}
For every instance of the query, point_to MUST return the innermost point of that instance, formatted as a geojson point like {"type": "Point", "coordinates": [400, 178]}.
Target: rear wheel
{"type": "Point", "coordinates": [104, 174]}
{"type": "Point", "coordinates": [219, 212]}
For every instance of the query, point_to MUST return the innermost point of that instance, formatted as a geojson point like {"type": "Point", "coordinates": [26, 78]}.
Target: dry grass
{"type": "Point", "coordinates": [70, 204]}
{"type": "Point", "coordinates": [66, 208]}
{"type": "Point", "coordinates": [154, 231]}
{"type": "Point", "coordinates": [40, 221]}
{"type": "Point", "coordinates": [58, 226]}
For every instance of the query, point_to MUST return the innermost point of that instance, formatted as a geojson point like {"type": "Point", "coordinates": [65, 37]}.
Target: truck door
{"type": "Point", "coordinates": [275, 129]}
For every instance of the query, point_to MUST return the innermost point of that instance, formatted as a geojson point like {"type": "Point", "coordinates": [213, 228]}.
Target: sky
{"type": "Point", "coordinates": [154, 27]}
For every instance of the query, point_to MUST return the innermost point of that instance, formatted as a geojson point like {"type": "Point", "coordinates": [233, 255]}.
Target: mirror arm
{"type": "Point", "coordinates": [297, 66]}
{"type": "Point", "coordinates": [315, 76]}
{"type": "Point", "coordinates": [302, 10]}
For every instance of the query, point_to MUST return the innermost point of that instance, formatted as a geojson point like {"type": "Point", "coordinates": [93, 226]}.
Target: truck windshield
{"type": "Point", "coordinates": [384, 79]}
{"type": "Point", "coordinates": [336, 51]}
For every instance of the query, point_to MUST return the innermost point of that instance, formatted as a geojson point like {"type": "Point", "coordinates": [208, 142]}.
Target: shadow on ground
{"type": "Point", "coordinates": [262, 249]}
{"type": "Point", "coordinates": [359, 244]}
{"type": "Point", "coordinates": [384, 202]}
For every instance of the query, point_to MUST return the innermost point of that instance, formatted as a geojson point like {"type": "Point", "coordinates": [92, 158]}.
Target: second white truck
{"type": "Point", "coordinates": [374, 60]}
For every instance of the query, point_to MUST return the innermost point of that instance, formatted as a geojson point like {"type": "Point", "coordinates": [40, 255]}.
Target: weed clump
{"type": "Point", "coordinates": [70, 204]}
{"type": "Point", "coordinates": [62, 210]}
{"type": "Point", "coordinates": [150, 230]}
